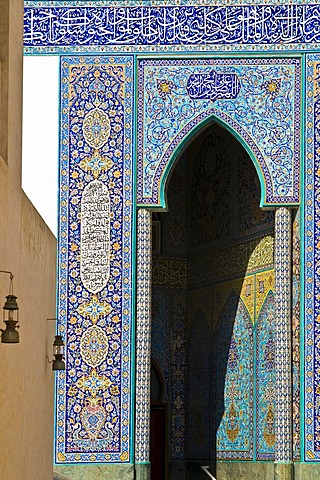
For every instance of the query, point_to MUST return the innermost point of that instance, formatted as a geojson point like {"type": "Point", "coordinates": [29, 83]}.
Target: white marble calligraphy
{"type": "Point", "coordinates": [95, 236]}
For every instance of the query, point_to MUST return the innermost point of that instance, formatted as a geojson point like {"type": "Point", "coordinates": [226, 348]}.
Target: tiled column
{"type": "Point", "coordinates": [283, 427]}
{"type": "Point", "coordinates": [143, 345]}
{"type": "Point", "coordinates": [93, 421]}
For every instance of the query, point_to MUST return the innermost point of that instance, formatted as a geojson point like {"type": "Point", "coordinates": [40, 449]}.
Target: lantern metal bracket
{"type": "Point", "coordinates": [11, 280]}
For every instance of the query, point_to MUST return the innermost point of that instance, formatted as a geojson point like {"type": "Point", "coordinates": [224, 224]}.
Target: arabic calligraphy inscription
{"type": "Point", "coordinates": [92, 27]}
{"type": "Point", "coordinates": [95, 236]}
{"type": "Point", "coordinates": [213, 86]}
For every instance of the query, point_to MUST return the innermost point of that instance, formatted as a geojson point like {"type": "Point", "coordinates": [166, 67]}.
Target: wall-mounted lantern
{"type": "Point", "coordinates": [10, 315]}
{"type": "Point", "coordinates": [58, 352]}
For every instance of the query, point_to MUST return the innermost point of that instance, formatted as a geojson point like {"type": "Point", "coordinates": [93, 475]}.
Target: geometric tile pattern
{"type": "Point", "coordinates": [296, 336]}
{"type": "Point", "coordinates": [283, 429]}
{"type": "Point", "coordinates": [168, 112]}
{"type": "Point", "coordinates": [93, 395]}
{"type": "Point", "coordinates": [311, 261]}
{"type": "Point", "coordinates": [143, 336]}
{"type": "Point", "coordinates": [124, 26]}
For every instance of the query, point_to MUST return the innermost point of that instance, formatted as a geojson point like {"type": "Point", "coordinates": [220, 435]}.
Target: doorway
{"type": "Point", "coordinates": [158, 425]}
{"type": "Point", "coordinates": [213, 309]}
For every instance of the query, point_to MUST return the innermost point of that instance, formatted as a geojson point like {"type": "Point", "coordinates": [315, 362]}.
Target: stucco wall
{"type": "Point", "coordinates": [28, 249]}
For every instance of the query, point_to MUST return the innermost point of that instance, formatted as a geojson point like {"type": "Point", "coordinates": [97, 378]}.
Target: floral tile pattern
{"type": "Point", "coordinates": [94, 393]}
{"type": "Point", "coordinates": [265, 114]}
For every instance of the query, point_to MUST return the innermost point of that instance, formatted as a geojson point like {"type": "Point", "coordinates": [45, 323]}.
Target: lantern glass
{"type": "Point", "coordinates": [11, 307]}
{"type": "Point", "coordinates": [58, 350]}
{"type": "Point", "coordinates": [58, 345]}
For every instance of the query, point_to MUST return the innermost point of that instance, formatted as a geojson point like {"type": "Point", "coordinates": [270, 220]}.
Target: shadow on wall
{"type": "Point", "coordinates": [213, 419]}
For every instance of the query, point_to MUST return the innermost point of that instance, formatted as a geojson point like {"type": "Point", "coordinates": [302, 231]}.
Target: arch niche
{"type": "Point", "coordinates": [153, 175]}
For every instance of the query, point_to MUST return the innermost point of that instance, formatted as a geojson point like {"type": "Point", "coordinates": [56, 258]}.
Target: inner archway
{"type": "Point", "coordinates": [212, 309]}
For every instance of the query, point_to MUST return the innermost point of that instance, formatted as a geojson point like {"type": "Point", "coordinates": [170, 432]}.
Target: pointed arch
{"type": "Point", "coordinates": [188, 134]}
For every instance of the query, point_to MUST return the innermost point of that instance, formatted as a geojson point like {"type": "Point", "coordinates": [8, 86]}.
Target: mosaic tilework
{"type": "Point", "coordinates": [311, 261]}
{"type": "Point", "coordinates": [296, 336]}
{"type": "Point", "coordinates": [160, 333]}
{"type": "Point", "coordinates": [173, 223]}
{"type": "Point", "coordinates": [169, 272]}
{"type": "Point", "coordinates": [233, 353]}
{"type": "Point", "coordinates": [101, 25]}
{"type": "Point", "coordinates": [143, 337]}
{"type": "Point", "coordinates": [267, 108]}
{"type": "Point", "coordinates": [178, 375]}
{"type": "Point", "coordinates": [198, 399]}
{"type": "Point", "coordinates": [253, 289]}
{"type": "Point", "coordinates": [266, 394]}
{"type": "Point", "coordinates": [93, 395]}
{"type": "Point", "coordinates": [255, 293]}
{"type": "Point", "coordinates": [169, 352]}
{"type": "Point", "coordinates": [283, 452]}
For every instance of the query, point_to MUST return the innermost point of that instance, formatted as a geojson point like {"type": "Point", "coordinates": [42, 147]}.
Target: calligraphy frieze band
{"type": "Point", "coordinates": [139, 27]}
{"type": "Point", "coordinates": [93, 395]}
{"type": "Point", "coordinates": [264, 113]}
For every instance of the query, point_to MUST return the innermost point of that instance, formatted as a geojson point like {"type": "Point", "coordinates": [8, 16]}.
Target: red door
{"type": "Point", "coordinates": [158, 441]}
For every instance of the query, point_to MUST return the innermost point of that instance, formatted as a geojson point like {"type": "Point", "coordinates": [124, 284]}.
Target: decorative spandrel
{"type": "Point", "coordinates": [257, 99]}
{"type": "Point", "coordinates": [94, 393]}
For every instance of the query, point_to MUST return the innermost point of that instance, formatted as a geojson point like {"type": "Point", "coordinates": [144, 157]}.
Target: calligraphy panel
{"type": "Point", "coordinates": [259, 100]}
{"type": "Point", "coordinates": [95, 236]}
{"type": "Point", "coordinates": [93, 395]}
{"type": "Point", "coordinates": [136, 26]}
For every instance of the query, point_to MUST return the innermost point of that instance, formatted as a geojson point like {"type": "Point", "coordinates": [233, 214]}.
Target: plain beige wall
{"type": "Point", "coordinates": [28, 249]}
